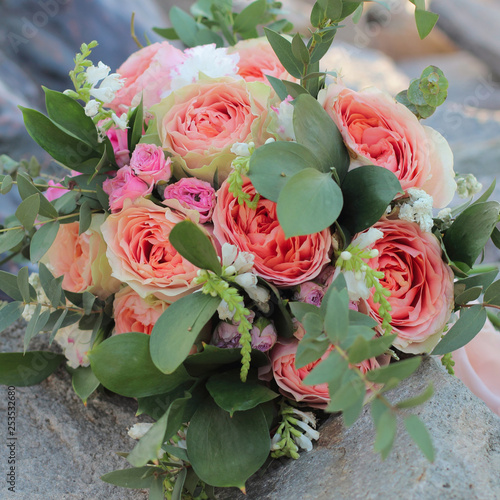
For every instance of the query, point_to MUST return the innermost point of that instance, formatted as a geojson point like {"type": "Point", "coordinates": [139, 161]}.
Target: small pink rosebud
{"type": "Point", "coordinates": [311, 293]}
{"type": "Point", "coordinates": [264, 334]}
{"type": "Point", "coordinates": [148, 163]}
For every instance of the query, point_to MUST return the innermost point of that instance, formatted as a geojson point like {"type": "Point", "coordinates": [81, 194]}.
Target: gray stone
{"type": "Point", "coordinates": [343, 465]}
{"type": "Point", "coordinates": [62, 446]}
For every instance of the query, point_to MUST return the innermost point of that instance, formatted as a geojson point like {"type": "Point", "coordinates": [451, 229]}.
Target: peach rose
{"type": "Point", "coordinates": [141, 255]}
{"type": "Point", "coordinates": [258, 59]}
{"type": "Point", "coordinates": [380, 131]}
{"type": "Point", "coordinates": [284, 262]}
{"type": "Point", "coordinates": [81, 259]}
{"type": "Point", "coordinates": [199, 123]}
{"type": "Point", "coordinates": [421, 284]}
{"type": "Point", "coordinates": [476, 365]}
{"type": "Point", "coordinates": [132, 313]}
{"type": "Point", "coordinates": [290, 380]}
{"type": "Point", "coordinates": [146, 73]}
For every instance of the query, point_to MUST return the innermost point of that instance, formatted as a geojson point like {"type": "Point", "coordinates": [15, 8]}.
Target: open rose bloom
{"type": "Point", "coordinates": [211, 235]}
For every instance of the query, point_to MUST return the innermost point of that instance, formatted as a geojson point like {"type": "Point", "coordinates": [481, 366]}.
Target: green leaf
{"type": "Point", "coordinates": [84, 382]}
{"type": "Point", "coordinates": [10, 239]}
{"type": "Point", "coordinates": [359, 351]}
{"type": "Point", "coordinates": [185, 26]}
{"type": "Point", "coordinates": [351, 414]}
{"type": "Point", "coordinates": [468, 295]}
{"type": "Point", "coordinates": [300, 309]}
{"type": "Point", "coordinates": [278, 86]}
{"type": "Point", "coordinates": [176, 451]}
{"type": "Point", "coordinates": [194, 245]}
{"type": "Point", "coordinates": [122, 364]}
{"type": "Point", "coordinates": [351, 390]}
{"type": "Point", "coordinates": [463, 331]}
{"type": "Point", "coordinates": [376, 186]}
{"type": "Point", "coordinates": [334, 9]}
{"type": "Point", "coordinates": [9, 285]}
{"type": "Point", "coordinates": [9, 313]}
{"type": "Point", "coordinates": [88, 302]}
{"type": "Point", "coordinates": [419, 433]}
{"type": "Point", "coordinates": [150, 444]}
{"type": "Point", "coordinates": [299, 49]}
{"type": "Point", "coordinates": [331, 368]}
{"type": "Point", "coordinates": [386, 431]}
{"type": "Point", "coordinates": [42, 240]}
{"type": "Point", "coordinates": [24, 286]}
{"type": "Point", "coordinates": [399, 370]}
{"type": "Point", "coordinates": [63, 147]}
{"type": "Point", "coordinates": [232, 395]}
{"type": "Point", "coordinates": [359, 319]}
{"type": "Point", "coordinates": [470, 231]}
{"type": "Point", "coordinates": [495, 237]}
{"type": "Point", "coordinates": [425, 22]}
{"type": "Point", "coordinates": [51, 286]}
{"type": "Point", "coordinates": [179, 485]}
{"type": "Point", "coordinates": [310, 350]}
{"type": "Point", "coordinates": [417, 400]}
{"type": "Point", "coordinates": [136, 124]}
{"type": "Point", "coordinates": [317, 131]}
{"type": "Point", "coordinates": [26, 189]}
{"type": "Point", "coordinates": [492, 294]}
{"type": "Point", "coordinates": [317, 14]}
{"type": "Point", "coordinates": [177, 328]}
{"type": "Point", "coordinates": [35, 325]}
{"type": "Point", "coordinates": [250, 17]}
{"type": "Point", "coordinates": [283, 49]}
{"type": "Point", "coordinates": [28, 210]}
{"type": "Point", "coordinates": [483, 280]}
{"type": "Point", "coordinates": [224, 450]}
{"type": "Point", "coordinates": [135, 478]}
{"type": "Point", "coordinates": [85, 217]}
{"type": "Point", "coordinates": [337, 316]}
{"type": "Point", "coordinates": [70, 117]}
{"type": "Point", "coordinates": [273, 164]}
{"type": "Point", "coordinates": [168, 33]}
{"type": "Point", "coordinates": [6, 184]}
{"type": "Point", "coordinates": [308, 203]}
{"type": "Point", "coordinates": [22, 370]}
{"type": "Point", "coordinates": [156, 491]}
{"type": "Point", "coordinates": [380, 345]}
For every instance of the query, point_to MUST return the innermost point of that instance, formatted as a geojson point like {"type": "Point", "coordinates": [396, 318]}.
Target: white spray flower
{"type": "Point", "coordinates": [285, 119]}
{"type": "Point", "coordinates": [242, 149]}
{"type": "Point", "coordinates": [92, 108]}
{"type": "Point", "coordinates": [120, 121]}
{"type": "Point", "coordinates": [467, 185]}
{"type": "Point", "coordinates": [418, 209]}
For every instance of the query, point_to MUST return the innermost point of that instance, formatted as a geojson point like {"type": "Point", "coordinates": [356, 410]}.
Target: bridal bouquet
{"type": "Point", "coordinates": [242, 243]}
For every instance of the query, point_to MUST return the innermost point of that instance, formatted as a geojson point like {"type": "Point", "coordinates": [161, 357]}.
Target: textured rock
{"type": "Point", "coordinates": [343, 465]}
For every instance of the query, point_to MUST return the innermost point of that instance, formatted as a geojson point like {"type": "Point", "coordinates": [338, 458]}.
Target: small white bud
{"type": "Point", "coordinates": [345, 255]}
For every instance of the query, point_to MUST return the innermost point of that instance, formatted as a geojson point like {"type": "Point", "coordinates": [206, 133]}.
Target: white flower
{"type": "Point", "coordinates": [75, 344]}
{"type": "Point", "coordinates": [92, 108]}
{"type": "Point", "coordinates": [108, 88]}
{"type": "Point", "coordinates": [306, 416]}
{"type": "Point", "coordinates": [138, 430]}
{"type": "Point", "coordinates": [467, 185]}
{"type": "Point", "coordinates": [224, 312]}
{"type": "Point", "coordinates": [274, 442]}
{"type": "Point", "coordinates": [41, 297]}
{"type": "Point", "coordinates": [285, 119]}
{"type": "Point", "coordinates": [419, 209]}
{"type": "Point", "coordinates": [206, 59]}
{"type": "Point", "coordinates": [241, 149]}
{"type": "Point", "coordinates": [120, 122]}
{"type": "Point", "coordinates": [310, 433]}
{"type": "Point", "coordinates": [97, 73]}
{"type": "Point", "coordinates": [367, 239]}
{"type": "Point", "coordinates": [303, 442]}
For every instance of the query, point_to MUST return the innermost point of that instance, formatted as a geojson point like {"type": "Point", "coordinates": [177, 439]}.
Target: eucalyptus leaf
{"type": "Point", "coordinates": [417, 400]}
{"type": "Point", "coordinates": [26, 188]}
{"type": "Point", "coordinates": [135, 478]}
{"type": "Point", "coordinates": [185, 26]}
{"type": "Point", "coordinates": [85, 217]}
{"type": "Point", "coordinates": [27, 211]}
{"type": "Point", "coordinates": [463, 331]}
{"type": "Point", "coordinates": [399, 370]}
{"type": "Point", "coordinates": [308, 203]}
{"type": "Point", "coordinates": [10, 239]}
{"type": "Point", "coordinates": [283, 49]}
{"type": "Point", "coordinates": [425, 21]}
{"type": "Point", "coordinates": [250, 17]}
{"type": "Point", "coordinates": [31, 368]}
{"type": "Point", "coordinates": [84, 382]}
{"type": "Point", "coordinates": [337, 316]}
{"type": "Point", "coordinates": [386, 431]}
{"type": "Point", "coordinates": [492, 294]}
{"type": "Point", "coordinates": [9, 313]}
{"type": "Point", "coordinates": [35, 324]}
{"type": "Point", "coordinates": [419, 433]}
{"type": "Point", "coordinates": [42, 240]}
{"type": "Point", "coordinates": [331, 368]}
{"type": "Point", "coordinates": [351, 389]}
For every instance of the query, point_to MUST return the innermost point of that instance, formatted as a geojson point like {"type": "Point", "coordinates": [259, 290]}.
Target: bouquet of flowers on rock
{"type": "Point", "coordinates": [242, 243]}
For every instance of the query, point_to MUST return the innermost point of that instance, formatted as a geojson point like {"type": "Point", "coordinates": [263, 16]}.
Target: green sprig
{"type": "Point", "coordinates": [241, 166]}
{"type": "Point", "coordinates": [216, 286]}
{"type": "Point", "coordinates": [448, 363]}
{"type": "Point", "coordinates": [286, 446]}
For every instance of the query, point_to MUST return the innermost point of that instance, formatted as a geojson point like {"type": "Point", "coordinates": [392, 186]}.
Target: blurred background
{"type": "Point", "coordinates": [38, 40]}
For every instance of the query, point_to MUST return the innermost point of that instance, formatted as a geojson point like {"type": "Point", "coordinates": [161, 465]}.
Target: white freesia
{"type": "Point", "coordinates": [92, 108]}
{"type": "Point", "coordinates": [120, 121]}
{"type": "Point", "coordinates": [94, 74]}
{"type": "Point", "coordinates": [206, 59]}
{"type": "Point", "coordinates": [242, 149]}
{"type": "Point", "coordinates": [138, 430]}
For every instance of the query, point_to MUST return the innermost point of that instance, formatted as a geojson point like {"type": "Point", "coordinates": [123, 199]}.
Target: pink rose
{"type": "Point", "coordinates": [264, 334]}
{"type": "Point", "coordinates": [53, 193]}
{"type": "Point", "coordinates": [199, 123]}
{"type": "Point", "coordinates": [258, 59]}
{"type": "Point", "coordinates": [226, 336]}
{"type": "Point", "coordinates": [290, 380]}
{"type": "Point", "coordinates": [476, 365]}
{"type": "Point", "coordinates": [132, 313]}
{"type": "Point", "coordinates": [81, 259]}
{"type": "Point", "coordinates": [421, 284]}
{"type": "Point", "coordinates": [141, 255]}
{"type": "Point", "coordinates": [119, 142]}
{"type": "Point", "coordinates": [284, 262]}
{"type": "Point", "coordinates": [380, 131]}
{"type": "Point", "coordinates": [125, 185]}
{"type": "Point", "coordinates": [149, 164]}
{"type": "Point", "coordinates": [147, 73]}
{"type": "Point", "coordinates": [310, 292]}
{"type": "Point", "coordinates": [190, 194]}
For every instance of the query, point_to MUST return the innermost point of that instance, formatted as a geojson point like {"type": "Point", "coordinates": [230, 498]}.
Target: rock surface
{"type": "Point", "coordinates": [343, 465]}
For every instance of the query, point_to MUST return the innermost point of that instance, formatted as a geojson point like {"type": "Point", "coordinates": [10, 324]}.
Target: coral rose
{"type": "Point", "coordinates": [380, 131]}
{"type": "Point", "coordinates": [284, 262]}
{"type": "Point", "coordinates": [476, 365]}
{"type": "Point", "coordinates": [132, 313]}
{"type": "Point", "coordinates": [421, 284]}
{"type": "Point", "coordinates": [199, 123]}
{"type": "Point", "coordinates": [290, 380]}
{"type": "Point", "coordinates": [81, 259]}
{"type": "Point", "coordinates": [258, 59]}
{"type": "Point", "coordinates": [147, 73]}
{"type": "Point", "coordinates": [141, 255]}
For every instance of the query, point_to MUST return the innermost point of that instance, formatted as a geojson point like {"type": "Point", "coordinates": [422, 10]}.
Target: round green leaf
{"type": "Point", "coordinates": [122, 364]}
{"type": "Point", "coordinates": [224, 450]}
{"type": "Point", "coordinates": [308, 203]}
{"type": "Point", "coordinates": [21, 370]}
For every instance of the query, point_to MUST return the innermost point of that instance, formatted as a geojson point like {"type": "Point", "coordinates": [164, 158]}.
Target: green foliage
{"type": "Point", "coordinates": [418, 432]}
{"type": "Point", "coordinates": [135, 478]}
{"type": "Point", "coordinates": [123, 364]}
{"type": "Point", "coordinates": [10, 312]}
{"type": "Point", "coordinates": [225, 450]}
{"type": "Point", "coordinates": [26, 369]}
{"type": "Point", "coordinates": [84, 382]}
{"type": "Point", "coordinates": [42, 240]}
{"type": "Point", "coordinates": [448, 363]}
